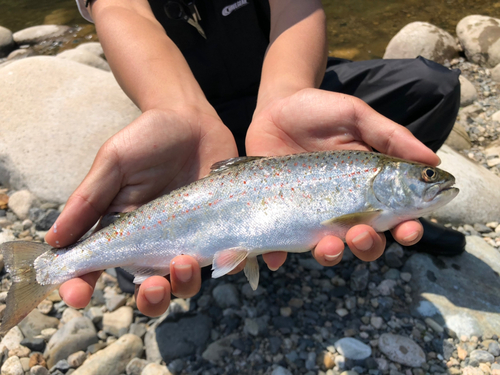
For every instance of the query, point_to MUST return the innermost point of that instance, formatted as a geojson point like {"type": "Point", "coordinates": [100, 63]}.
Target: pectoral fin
{"type": "Point", "coordinates": [350, 220]}
{"type": "Point", "coordinates": [252, 272]}
{"type": "Point", "coordinates": [226, 260]}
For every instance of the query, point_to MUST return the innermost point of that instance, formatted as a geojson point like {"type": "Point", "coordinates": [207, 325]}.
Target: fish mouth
{"type": "Point", "coordinates": [445, 190]}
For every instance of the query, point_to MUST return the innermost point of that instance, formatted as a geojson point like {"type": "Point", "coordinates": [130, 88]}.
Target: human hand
{"type": "Point", "coordinates": [158, 152]}
{"type": "Point", "coordinates": [316, 120]}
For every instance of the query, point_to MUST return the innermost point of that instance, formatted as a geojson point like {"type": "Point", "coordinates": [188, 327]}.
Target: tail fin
{"type": "Point", "coordinates": [25, 293]}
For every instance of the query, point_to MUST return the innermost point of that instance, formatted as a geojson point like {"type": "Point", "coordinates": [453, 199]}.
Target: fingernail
{"type": "Point", "coordinates": [154, 294]}
{"type": "Point", "coordinates": [412, 237]}
{"type": "Point", "coordinates": [363, 241]}
{"type": "Point", "coordinates": [184, 272]}
{"type": "Point", "coordinates": [329, 257]}
{"type": "Point", "coordinates": [272, 268]}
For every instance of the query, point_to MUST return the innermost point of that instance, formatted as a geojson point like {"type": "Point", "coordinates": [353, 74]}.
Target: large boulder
{"type": "Point", "coordinates": [461, 292]}
{"type": "Point", "coordinates": [422, 39]}
{"type": "Point", "coordinates": [37, 34]}
{"type": "Point", "coordinates": [480, 39]}
{"type": "Point", "coordinates": [479, 197]}
{"type": "Point", "coordinates": [56, 113]}
{"type": "Point", "coordinates": [6, 41]}
{"type": "Point", "coordinates": [85, 57]}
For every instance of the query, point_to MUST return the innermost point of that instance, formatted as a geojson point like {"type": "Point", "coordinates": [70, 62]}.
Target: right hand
{"type": "Point", "coordinates": [157, 153]}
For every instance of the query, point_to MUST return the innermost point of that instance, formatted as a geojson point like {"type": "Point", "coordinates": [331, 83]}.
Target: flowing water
{"type": "Point", "coordinates": [357, 29]}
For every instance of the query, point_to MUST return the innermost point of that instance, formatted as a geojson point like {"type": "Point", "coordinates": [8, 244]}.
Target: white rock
{"type": "Point", "coordinates": [6, 235]}
{"type": "Point", "coordinates": [56, 114]}
{"type": "Point", "coordinates": [20, 202]}
{"type": "Point", "coordinates": [468, 93]}
{"type": "Point", "coordinates": [401, 349]}
{"type": "Point", "coordinates": [12, 339]}
{"type": "Point", "coordinates": [496, 116]}
{"type": "Point", "coordinates": [155, 369]}
{"type": "Point", "coordinates": [118, 322]}
{"type": "Point", "coordinates": [92, 47]}
{"type": "Point", "coordinates": [20, 54]}
{"type": "Point", "coordinates": [36, 34]}
{"type": "Point", "coordinates": [353, 349]}
{"type": "Point", "coordinates": [12, 366]}
{"type": "Point", "coordinates": [480, 39]}
{"type": "Point", "coordinates": [479, 197]}
{"type": "Point", "coordinates": [422, 39]}
{"type": "Point", "coordinates": [85, 57]}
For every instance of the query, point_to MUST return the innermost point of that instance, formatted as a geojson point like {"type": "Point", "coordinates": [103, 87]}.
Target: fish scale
{"type": "Point", "coordinates": [245, 207]}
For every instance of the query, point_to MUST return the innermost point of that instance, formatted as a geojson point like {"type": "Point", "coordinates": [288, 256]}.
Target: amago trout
{"type": "Point", "coordinates": [243, 208]}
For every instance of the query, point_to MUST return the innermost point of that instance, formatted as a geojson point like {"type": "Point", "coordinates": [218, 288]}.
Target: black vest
{"type": "Point", "coordinates": [227, 64]}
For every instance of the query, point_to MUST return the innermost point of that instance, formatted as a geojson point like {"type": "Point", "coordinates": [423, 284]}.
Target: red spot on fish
{"type": "Point", "coordinates": [342, 162]}
{"type": "Point", "coordinates": [295, 164]}
{"type": "Point", "coordinates": [244, 182]}
{"type": "Point", "coordinates": [230, 196]}
{"type": "Point", "coordinates": [374, 169]}
{"type": "Point", "coordinates": [143, 227]}
{"type": "Point", "coordinates": [159, 221]}
{"type": "Point", "coordinates": [173, 216]}
{"type": "Point", "coordinates": [128, 233]}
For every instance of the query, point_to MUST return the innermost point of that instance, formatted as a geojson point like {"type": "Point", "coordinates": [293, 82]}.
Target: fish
{"type": "Point", "coordinates": [243, 208]}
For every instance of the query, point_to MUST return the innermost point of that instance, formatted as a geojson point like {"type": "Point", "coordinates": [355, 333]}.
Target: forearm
{"type": "Point", "coordinates": [146, 63]}
{"type": "Point", "coordinates": [296, 57]}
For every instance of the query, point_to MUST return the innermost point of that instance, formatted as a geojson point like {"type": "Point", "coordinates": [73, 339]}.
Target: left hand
{"type": "Point", "coordinates": [317, 120]}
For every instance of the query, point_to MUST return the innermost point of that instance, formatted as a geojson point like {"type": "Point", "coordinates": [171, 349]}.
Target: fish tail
{"type": "Point", "coordinates": [25, 292]}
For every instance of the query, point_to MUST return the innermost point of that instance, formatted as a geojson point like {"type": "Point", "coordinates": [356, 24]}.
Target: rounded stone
{"type": "Point", "coordinates": [480, 39]}
{"type": "Point", "coordinates": [36, 34]}
{"type": "Point", "coordinates": [12, 366]}
{"type": "Point", "coordinates": [402, 350]}
{"type": "Point", "coordinates": [353, 349]}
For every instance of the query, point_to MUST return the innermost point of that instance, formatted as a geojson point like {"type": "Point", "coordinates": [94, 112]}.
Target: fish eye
{"type": "Point", "coordinates": [429, 174]}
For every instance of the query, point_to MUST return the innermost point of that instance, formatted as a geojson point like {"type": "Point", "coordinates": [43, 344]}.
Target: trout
{"type": "Point", "coordinates": [245, 207]}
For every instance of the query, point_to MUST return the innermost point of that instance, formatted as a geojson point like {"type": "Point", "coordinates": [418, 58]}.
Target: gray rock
{"type": "Point", "coordinates": [402, 350]}
{"type": "Point", "coordinates": [392, 274]}
{"type": "Point", "coordinates": [113, 359]}
{"type": "Point", "coordinates": [226, 295]}
{"type": "Point", "coordinates": [6, 41]}
{"type": "Point", "coordinates": [70, 314]}
{"type": "Point", "coordinates": [468, 93]}
{"type": "Point", "coordinates": [12, 366]}
{"type": "Point", "coordinates": [422, 39]}
{"type": "Point", "coordinates": [256, 326]}
{"type": "Point", "coordinates": [115, 301]}
{"type": "Point", "coordinates": [480, 39]}
{"type": "Point", "coordinates": [155, 369]}
{"type": "Point", "coordinates": [117, 323]}
{"type": "Point", "coordinates": [359, 280]}
{"type": "Point", "coordinates": [217, 350]}
{"type": "Point", "coordinates": [138, 329]}
{"type": "Point", "coordinates": [353, 349]}
{"type": "Point", "coordinates": [311, 264]}
{"type": "Point", "coordinates": [39, 370]}
{"type": "Point", "coordinates": [21, 202]}
{"type": "Point", "coordinates": [481, 356]}
{"type": "Point", "coordinates": [21, 53]}
{"type": "Point", "coordinates": [92, 47]}
{"type": "Point", "coordinates": [181, 336]}
{"type": "Point", "coordinates": [135, 366]}
{"type": "Point", "coordinates": [281, 371]}
{"type": "Point", "coordinates": [176, 366]}
{"type": "Point", "coordinates": [87, 108]}
{"type": "Point", "coordinates": [36, 34]}
{"type": "Point", "coordinates": [74, 336]}
{"type": "Point", "coordinates": [85, 57]}
{"type": "Point", "coordinates": [386, 287]}
{"type": "Point", "coordinates": [46, 219]}
{"type": "Point", "coordinates": [61, 365]}
{"type": "Point", "coordinates": [95, 314]}
{"type": "Point", "coordinates": [36, 322]}
{"type": "Point", "coordinates": [479, 197]}
{"type": "Point", "coordinates": [462, 292]}
{"type": "Point", "coordinates": [494, 349]}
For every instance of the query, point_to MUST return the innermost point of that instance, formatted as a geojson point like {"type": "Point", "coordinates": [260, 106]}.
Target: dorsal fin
{"type": "Point", "coordinates": [229, 163]}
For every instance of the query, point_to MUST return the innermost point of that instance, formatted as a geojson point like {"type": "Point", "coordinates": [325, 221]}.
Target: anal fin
{"type": "Point", "coordinates": [252, 272]}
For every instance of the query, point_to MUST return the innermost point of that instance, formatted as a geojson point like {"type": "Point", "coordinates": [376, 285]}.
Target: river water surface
{"type": "Point", "coordinates": [357, 29]}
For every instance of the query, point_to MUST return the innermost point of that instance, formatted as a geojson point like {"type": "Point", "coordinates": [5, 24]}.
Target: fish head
{"type": "Point", "coordinates": [412, 188]}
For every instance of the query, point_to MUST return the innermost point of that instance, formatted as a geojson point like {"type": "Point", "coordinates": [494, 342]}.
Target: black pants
{"type": "Point", "coordinates": [416, 93]}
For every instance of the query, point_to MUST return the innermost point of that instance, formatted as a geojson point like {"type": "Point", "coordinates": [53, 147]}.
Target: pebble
{"type": "Point", "coordinates": [352, 348]}
{"type": "Point", "coordinates": [226, 295]}
{"type": "Point", "coordinates": [402, 350]}
{"type": "Point", "coordinates": [39, 370]}
{"type": "Point", "coordinates": [117, 323]}
{"type": "Point", "coordinates": [12, 366]}
{"type": "Point", "coordinates": [155, 369]}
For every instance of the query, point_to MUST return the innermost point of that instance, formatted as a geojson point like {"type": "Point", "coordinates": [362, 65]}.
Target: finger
{"type": "Point", "coordinates": [77, 292]}
{"type": "Point", "coordinates": [328, 252]}
{"type": "Point", "coordinates": [238, 268]}
{"type": "Point", "coordinates": [408, 233]}
{"type": "Point", "coordinates": [365, 243]}
{"type": "Point", "coordinates": [153, 296]}
{"type": "Point", "coordinates": [185, 276]}
{"type": "Point", "coordinates": [275, 259]}
{"type": "Point", "coordinates": [389, 137]}
{"type": "Point", "coordinates": [89, 201]}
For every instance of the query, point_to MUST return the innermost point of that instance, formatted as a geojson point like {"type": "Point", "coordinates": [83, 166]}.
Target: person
{"type": "Point", "coordinates": [220, 78]}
